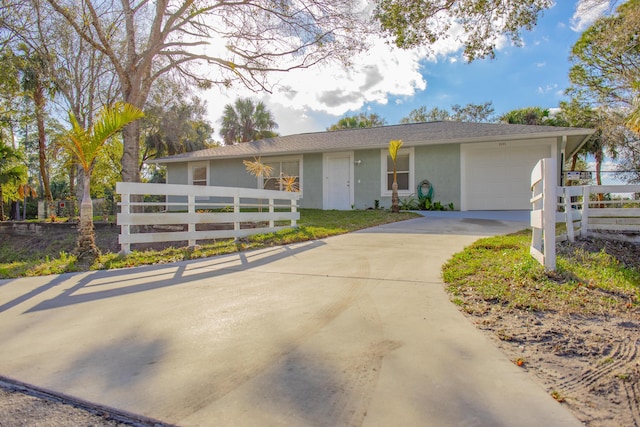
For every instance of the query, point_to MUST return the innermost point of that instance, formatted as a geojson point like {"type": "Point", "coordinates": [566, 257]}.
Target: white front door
{"type": "Point", "coordinates": [338, 175]}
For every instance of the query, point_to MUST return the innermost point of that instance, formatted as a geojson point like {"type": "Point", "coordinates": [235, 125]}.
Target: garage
{"type": "Point", "coordinates": [496, 175]}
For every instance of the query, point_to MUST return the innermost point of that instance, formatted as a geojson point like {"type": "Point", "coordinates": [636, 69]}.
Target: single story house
{"type": "Point", "coordinates": [475, 166]}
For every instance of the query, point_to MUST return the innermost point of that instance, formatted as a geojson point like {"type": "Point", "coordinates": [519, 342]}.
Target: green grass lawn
{"type": "Point", "coordinates": [499, 270]}
{"type": "Point", "coordinates": [313, 224]}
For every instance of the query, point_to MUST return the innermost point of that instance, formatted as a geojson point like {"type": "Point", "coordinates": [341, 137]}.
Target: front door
{"type": "Point", "coordinates": [337, 193]}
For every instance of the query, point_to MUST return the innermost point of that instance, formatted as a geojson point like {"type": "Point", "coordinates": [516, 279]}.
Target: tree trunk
{"type": "Point", "coordinates": [599, 157]}
{"type": "Point", "coordinates": [1, 205]}
{"type": "Point", "coordinates": [72, 179]}
{"type": "Point", "coordinates": [131, 154]}
{"type": "Point", "coordinates": [131, 158]}
{"type": "Point", "coordinates": [86, 248]}
{"type": "Point", "coordinates": [395, 208]}
{"type": "Point", "coordinates": [38, 98]}
{"type": "Point", "coordinates": [79, 191]}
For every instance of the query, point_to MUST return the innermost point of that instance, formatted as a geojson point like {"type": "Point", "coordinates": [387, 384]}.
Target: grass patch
{"type": "Point", "coordinates": [500, 270]}
{"type": "Point", "coordinates": [313, 224]}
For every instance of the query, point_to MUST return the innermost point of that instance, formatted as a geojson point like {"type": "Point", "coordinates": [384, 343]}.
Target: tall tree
{"type": "Point", "coordinates": [10, 92]}
{"type": "Point", "coordinates": [146, 40]}
{"type": "Point", "coordinates": [11, 171]}
{"type": "Point", "coordinates": [86, 145]}
{"type": "Point", "coordinates": [245, 121]}
{"type": "Point", "coordinates": [606, 76]}
{"type": "Point", "coordinates": [526, 116]}
{"type": "Point", "coordinates": [36, 84]}
{"type": "Point", "coordinates": [422, 115]}
{"type": "Point", "coordinates": [475, 113]}
{"type": "Point", "coordinates": [423, 22]}
{"type": "Point", "coordinates": [362, 120]}
{"type": "Point", "coordinates": [606, 60]}
{"type": "Point", "coordinates": [176, 128]}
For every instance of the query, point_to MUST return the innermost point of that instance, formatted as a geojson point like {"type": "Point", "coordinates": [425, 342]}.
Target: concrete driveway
{"type": "Point", "coordinates": [348, 331]}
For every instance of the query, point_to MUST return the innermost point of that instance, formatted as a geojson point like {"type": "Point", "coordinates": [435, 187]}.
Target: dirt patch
{"type": "Point", "coordinates": [589, 363]}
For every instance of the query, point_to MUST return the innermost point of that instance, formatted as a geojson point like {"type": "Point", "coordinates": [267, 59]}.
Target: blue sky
{"type": "Point", "coordinates": [392, 82]}
{"type": "Point", "coordinates": [535, 74]}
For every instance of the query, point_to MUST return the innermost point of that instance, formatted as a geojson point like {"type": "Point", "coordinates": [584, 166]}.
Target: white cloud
{"type": "Point", "coordinates": [383, 71]}
{"type": "Point", "coordinates": [548, 88]}
{"type": "Point", "coordinates": [306, 100]}
{"type": "Point", "coordinates": [587, 11]}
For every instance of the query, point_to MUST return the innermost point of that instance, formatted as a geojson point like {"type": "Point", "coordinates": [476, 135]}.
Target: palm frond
{"type": "Point", "coordinates": [394, 146]}
{"type": "Point", "coordinates": [85, 145]}
{"type": "Point", "coordinates": [289, 183]}
{"type": "Point", "coordinates": [257, 168]}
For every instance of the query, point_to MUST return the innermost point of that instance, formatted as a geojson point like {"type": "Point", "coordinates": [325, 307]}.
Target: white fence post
{"type": "Point", "coordinates": [125, 248]}
{"type": "Point", "coordinates": [568, 212]}
{"type": "Point", "coordinates": [191, 226]}
{"type": "Point", "coordinates": [543, 215]}
{"type": "Point", "coordinates": [236, 210]}
{"type": "Point", "coordinates": [271, 222]}
{"type": "Point", "coordinates": [584, 223]}
{"type": "Point", "coordinates": [294, 209]}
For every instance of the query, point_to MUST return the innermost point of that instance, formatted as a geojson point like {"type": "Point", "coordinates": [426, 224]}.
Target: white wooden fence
{"type": "Point", "coordinates": [615, 217]}
{"type": "Point", "coordinates": [543, 213]}
{"type": "Point", "coordinates": [236, 212]}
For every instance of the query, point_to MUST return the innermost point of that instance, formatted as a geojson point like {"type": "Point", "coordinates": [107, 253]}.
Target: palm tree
{"type": "Point", "coordinates": [85, 145]}
{"type": "Point", "coordinates": [10, 171]}
{"type": "Point", "coordinates": [394, 146]}
{"type": "Point", "coordinates": [36, 85]}
{"type": "Point", "coordinates": [526, 116]}
{"type": "Point", "coordinates": [245, 121]}
{"type": "Point", "coordinates": [362, 120]}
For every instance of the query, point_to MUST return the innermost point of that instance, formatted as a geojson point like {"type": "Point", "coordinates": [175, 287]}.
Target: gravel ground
{"type": "Point", "coordinates": [22, 406]}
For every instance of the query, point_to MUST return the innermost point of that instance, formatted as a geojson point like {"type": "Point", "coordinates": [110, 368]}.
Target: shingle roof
{"type": "Point", "coordinates": [445, 132]}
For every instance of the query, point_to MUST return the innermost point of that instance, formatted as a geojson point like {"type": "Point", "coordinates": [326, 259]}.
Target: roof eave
{"type": "Point", "coordinates": [467, 140]}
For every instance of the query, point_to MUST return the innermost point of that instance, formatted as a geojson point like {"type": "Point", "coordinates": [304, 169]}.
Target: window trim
{"type": "Point", "coordinates": [193, 166]}
{"type": "Point", "coordinates": [384, 154]}
{"type": "Point", "coordinates": [269, 160]}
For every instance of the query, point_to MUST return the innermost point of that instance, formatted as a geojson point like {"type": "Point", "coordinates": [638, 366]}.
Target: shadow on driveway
{"type": "Point", "coordinates": [112, 283]}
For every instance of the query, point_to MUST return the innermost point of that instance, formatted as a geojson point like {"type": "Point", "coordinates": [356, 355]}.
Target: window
{"type": "Point", "coordinates": [199, 173]}
{"type": "Point", "coordinates": [285, 174]}
{"type": "Point", "coordinates": [404, 172]}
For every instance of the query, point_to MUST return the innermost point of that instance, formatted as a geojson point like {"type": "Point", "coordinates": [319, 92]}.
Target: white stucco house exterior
{"type": "Point", "coordinates": [475, 166]}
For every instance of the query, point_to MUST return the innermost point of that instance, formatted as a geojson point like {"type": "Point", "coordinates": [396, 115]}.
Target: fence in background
{"type": "Point", "coordinates": [192, 212]}
{"type": "Point", "coordinates": [609, 211]}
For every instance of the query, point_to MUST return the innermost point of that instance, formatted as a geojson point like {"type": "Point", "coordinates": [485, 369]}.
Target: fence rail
{"type": "Point", "coordinates": [619, 214]}
{"type": "Point", "coordinates": [584, 209]}
{"type": "Point", "coordinates": [227, 212]}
